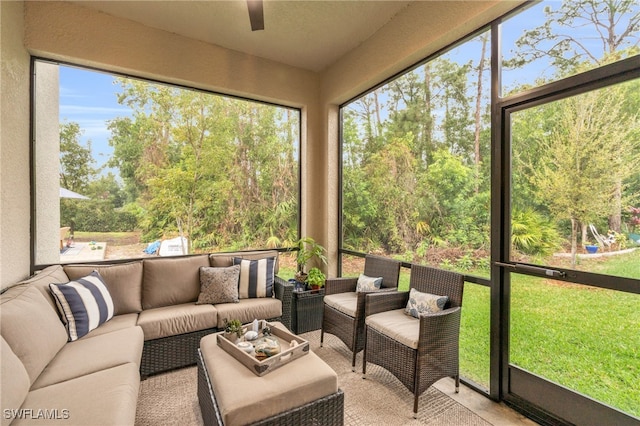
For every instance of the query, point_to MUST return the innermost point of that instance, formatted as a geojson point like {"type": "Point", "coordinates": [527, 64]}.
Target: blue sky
{"type": "Point", "coordinates": [89, 97]}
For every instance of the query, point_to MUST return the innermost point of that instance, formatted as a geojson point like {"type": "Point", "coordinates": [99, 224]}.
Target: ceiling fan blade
{"type": "Point", "coordinates": [256, 14]}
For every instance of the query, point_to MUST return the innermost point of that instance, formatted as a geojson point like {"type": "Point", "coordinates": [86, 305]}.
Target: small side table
{"type": "Point", "coordinates": [306, 311]}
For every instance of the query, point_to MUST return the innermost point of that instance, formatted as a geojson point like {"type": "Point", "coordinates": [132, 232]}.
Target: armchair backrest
{"type": "Point", "coordinates": [378, 266]}
{"type": "Point", "coordinates": [439, 282]}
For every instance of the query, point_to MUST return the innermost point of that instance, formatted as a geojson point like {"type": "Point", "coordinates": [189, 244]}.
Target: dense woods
{"type": "Point", "coordinates": [219, 170]}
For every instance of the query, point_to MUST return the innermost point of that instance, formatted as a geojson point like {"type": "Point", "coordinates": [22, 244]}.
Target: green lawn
{"type": "Point", "coordinates": [583, 338]}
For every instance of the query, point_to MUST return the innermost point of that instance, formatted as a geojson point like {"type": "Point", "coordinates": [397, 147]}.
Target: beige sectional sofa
{"type": "Point", "coordinates": [156, 326]}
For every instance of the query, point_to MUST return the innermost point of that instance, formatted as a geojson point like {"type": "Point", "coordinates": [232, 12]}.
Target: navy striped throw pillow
{"type": "Point", "coordinates": [84, 304]}
{"type": "Point", "coordinates": [256, 277]}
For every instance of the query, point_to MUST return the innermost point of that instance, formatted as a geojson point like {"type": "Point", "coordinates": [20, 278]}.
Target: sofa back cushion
{"type": "Point", "coordinates": [171, 281]}
{"type": "Point", "coordinates": [226, 259]}
{"type": "Point", "coordinates": [14, 381]}
{"type": "Point", "coordinates": [123, 280]}
{"type": "Point", "coordinates": [41, 280]}
{"type": "Point", "coordinates": [31, 327]}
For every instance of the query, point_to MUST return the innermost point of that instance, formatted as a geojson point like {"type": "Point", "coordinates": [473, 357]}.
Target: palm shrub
{"type": "Point", "coordinates": [532, 233]}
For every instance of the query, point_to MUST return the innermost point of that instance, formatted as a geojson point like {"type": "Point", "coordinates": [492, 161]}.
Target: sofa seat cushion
{"type": "Point", "coordinates": [123, 280]}
{"type": "Point", "coordinates": [179, 319]}
{"type": "Point", "coordinates": [91, 355]}
{"type": "Point", "coordinates": [14, 381]}
{"type": "Point", "coordinates": [249, 309]}
{"type": "Point", "coordinates": [343, 302]}
{"type": "Point", "coordinates": [171, 281]}
{"type": "Point", "coordinates": [397, 325]}
{"type": "Point", "coordinates": [245, 398]}
{"type": "Point", "coordinates": [107, 397]}
{"type": "Point", "coordinates": [119, 322]}
{"type": "Point", "coordinates": [31, 327]}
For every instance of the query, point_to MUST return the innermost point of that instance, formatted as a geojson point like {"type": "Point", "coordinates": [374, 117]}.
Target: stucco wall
{"type": "Point", "coordinates": [14, 147]}
{"type": "Point", "coordinates": [47, 163]}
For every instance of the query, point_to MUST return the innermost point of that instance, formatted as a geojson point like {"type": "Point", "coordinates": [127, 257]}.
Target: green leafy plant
{"type": "Point", "coordinates": [316, 277]}
{"type": "Point", "coordinates": [308, 249]}
{"type": "Point", "coordinates": [234, 326]}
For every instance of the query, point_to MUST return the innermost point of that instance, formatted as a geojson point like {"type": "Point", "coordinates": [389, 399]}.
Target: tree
{"type": "Point", "coordinates": [614, 23]}
{"type": "Point", "coordinates": [222, 171]}
{"type": "Point", "coordinates": [76, 162]}
{"type": "Point", "coordinates": [76, 169]}
{"type": "Point", "coordinates": [581, 168]}
{"type": "Point", "coordinates": [615, 26]}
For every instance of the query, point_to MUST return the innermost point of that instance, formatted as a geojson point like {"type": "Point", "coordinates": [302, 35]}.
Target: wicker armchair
{"type": "Point", "coordinates": [345, 318]}
{"type": "Point", "coordinates": [423, 350]}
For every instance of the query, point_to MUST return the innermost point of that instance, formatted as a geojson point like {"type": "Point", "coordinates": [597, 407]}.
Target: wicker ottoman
{"type": "Point", "coordinates": [305, 391]}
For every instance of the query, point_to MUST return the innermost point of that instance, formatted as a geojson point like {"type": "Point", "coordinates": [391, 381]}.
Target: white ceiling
{"type": "Point", "coordinates": [305, 34]}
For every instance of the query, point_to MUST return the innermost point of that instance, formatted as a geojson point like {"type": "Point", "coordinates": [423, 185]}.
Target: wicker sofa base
{"type": "Point", "coordinates": [172, 352]}
{"type": "Point", "coordinates": [169, 353]}
{"type": "Point", "coordinates": [324, 411]}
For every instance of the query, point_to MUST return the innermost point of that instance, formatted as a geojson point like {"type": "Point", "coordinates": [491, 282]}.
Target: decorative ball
{"type": "Point", "coordinates": [251, 335]}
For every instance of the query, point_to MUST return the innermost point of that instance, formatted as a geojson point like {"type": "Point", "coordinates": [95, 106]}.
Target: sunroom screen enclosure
{"type": "Point", "coordinates": [544, 135]}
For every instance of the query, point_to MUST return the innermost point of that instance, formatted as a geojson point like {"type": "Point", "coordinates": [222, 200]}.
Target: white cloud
{"type": "Point", "coordinates": [110, 112]}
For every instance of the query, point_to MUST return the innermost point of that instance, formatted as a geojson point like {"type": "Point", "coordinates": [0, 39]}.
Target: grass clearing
{"type": "Point", "coordinates": [580, 337]}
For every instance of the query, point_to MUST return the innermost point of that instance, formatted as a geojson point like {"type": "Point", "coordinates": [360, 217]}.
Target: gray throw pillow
{"type": "Point", "coordinates": [366, 283]}
{"type": "Point", "coordinates": [218, 285]}
{"type": "Point", "coordinates": [422, 303]}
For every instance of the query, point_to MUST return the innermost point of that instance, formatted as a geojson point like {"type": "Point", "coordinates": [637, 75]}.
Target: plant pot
{"type": "Point", "coordinates": [315, 288]}
{"type": "Point", "coordinates": [232, 337]}
{"type": "Point", "coordinates": [591, 248]}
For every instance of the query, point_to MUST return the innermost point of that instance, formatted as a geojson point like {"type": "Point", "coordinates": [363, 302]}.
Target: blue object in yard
{"type": "Point", "coordinates": [591, 248]}
{"type": "Point", "coordinates": [153, 247]}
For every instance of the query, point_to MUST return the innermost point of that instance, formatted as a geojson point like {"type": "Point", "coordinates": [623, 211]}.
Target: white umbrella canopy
{"type": "Point", "coordinates": [65, 193]}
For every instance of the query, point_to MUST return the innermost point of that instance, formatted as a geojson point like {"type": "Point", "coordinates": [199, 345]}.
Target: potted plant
{"type": "Point", "coordinates": [308, 249]}
{"type": "Point", "coordinates": [232, 330]}
{"type": "Point", "coordinates": [591, 248]}
{"type": "Point", "coordinates": [315, 279]}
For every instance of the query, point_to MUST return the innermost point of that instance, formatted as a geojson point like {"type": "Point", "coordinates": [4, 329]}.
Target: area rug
{"type": "Point", "coordinates": [171, 398]}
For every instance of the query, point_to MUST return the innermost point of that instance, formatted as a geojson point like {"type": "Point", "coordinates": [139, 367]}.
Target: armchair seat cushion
{"type": "Point", "coordinates": [396, 325]}
{"type": "Point", "coordinates": [343, 302]}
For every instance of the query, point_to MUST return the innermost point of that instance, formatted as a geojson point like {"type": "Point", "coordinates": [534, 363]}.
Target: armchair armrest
{"type": "Point", "coordinates": [443, 326]}
{"type": "Point", "coordinates": [340, 285]}
{"type": "Point", "coordinates": [381, 301]}
{"type": "Point", "coordinates": [284, 291]}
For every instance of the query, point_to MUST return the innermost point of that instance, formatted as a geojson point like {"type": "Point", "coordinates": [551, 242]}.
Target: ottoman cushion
{"type": "Point", "coordinates": [245, 398]}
